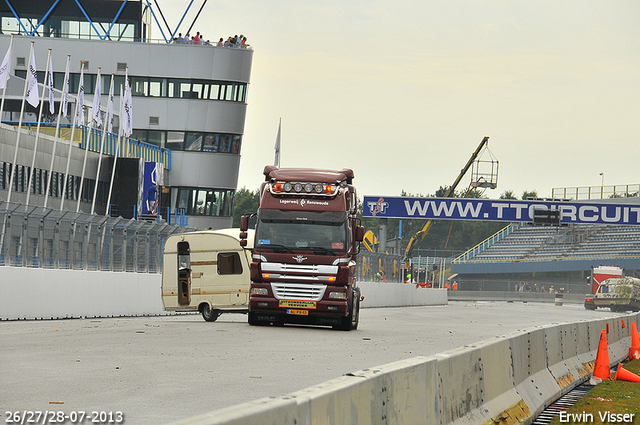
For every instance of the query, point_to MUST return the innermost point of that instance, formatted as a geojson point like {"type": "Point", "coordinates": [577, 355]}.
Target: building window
{"type": "Point", "coordinates": [150, 86]}
{"type": "Point", "coordinates": [157, 87]}
{"type": "Point", "coordinates": [175, 140]}
{"type": "Point", "coordinates": [156, 138]}
{"type": "Point", "coordinates": [193, 142]}
{"type": "Point", "coordinates": [203, 202]}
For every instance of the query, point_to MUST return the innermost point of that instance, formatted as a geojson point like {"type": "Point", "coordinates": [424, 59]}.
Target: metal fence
{"type": "Point", "coordinates": [32, 236]}
{"type": "Point", "coordinates": [46, 238]}
{"type": "Point", "coordinates": [370, 263]}
{"type": "Point", "coordinates": [539, 285]}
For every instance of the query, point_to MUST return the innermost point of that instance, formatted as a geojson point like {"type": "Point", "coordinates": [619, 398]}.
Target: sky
{"type": "Point", "coordinates": [403, 91]}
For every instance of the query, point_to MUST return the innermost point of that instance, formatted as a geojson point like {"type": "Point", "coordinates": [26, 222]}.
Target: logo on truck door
{"type": "Point", "coordinates": [299, 258]}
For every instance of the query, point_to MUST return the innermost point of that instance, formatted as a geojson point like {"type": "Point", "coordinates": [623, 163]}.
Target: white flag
{"type": "Point", "coordinates": [96, 100]}
{"type": "Point", "coordinates": [276, 160]}
{"type": "Point", "coordinates": [5, 69]}
{"type": "Point", "coordinates": [81, 99]}
{"type": "Point", "coordinates": [32, 82]}
{"type": "Point", "coordinates": [65, 96]}
{"type": "Point", "coordinates": [110, 108]}
{"type": "Point", "coordinates": [51, 108]}
{"type": "Point", "coordinates": [127, 125]}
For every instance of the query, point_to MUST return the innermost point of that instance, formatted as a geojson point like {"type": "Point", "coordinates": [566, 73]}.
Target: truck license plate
{"type": "Point", "coordinates": [297, 304]}
{"type": "Point", "coordinates": [298, 312]}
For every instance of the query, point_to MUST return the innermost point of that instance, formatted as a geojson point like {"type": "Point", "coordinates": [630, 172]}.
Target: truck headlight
{"type": "Point", "coordinates": [339, 295]}
{"type": "Point", "coordinates": [259, 291]}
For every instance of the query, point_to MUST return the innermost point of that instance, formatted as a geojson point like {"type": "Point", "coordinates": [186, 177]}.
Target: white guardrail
{"type": "Point", "coordinates": [504, 380]}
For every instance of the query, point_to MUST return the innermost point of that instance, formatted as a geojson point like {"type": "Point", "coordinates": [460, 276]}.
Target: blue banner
{"type": "Point", "coordinates": [151, 186]}
{"type": "Point", "coordinates": [498, 210]}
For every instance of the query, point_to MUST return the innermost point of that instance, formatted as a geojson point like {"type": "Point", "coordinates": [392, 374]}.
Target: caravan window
{"type": "Point", "coordinates": [229, 263]}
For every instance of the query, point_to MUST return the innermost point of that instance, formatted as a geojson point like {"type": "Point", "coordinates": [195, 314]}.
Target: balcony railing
{"type": "Point", "coordinates": [132, 148]}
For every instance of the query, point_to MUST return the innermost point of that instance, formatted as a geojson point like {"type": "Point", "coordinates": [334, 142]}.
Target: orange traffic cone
{"type": "Point", "coordinates": [601, 369]}
{"type": "Point", "coordinates": [624, 375]}
{"type": "Point", "coordinates": [634, 351]}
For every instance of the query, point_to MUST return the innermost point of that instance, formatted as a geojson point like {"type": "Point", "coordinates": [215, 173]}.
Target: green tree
{"type": "Point", "coordinates": [244, 202]}
{"type": "Point", "coordinates": [508, 194]}
{"type": "Point", "coordinates": [529, 194]}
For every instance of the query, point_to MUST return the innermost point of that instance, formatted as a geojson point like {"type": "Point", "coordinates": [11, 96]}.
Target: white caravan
{"type": "Point", "coordinates": [206, 271]}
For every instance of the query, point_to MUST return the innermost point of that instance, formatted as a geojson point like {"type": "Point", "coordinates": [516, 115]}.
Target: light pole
{"type": "Point", "coordinates": [602, 186]}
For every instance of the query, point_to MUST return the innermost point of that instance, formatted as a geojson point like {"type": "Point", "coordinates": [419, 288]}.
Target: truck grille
{"type": "Point", "coordinates": [297, 291]}
{"type": "Point", "coordinates": [299, 268]}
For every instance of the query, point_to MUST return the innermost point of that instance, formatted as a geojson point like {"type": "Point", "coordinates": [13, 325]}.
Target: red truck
{"type": "Point", "coordinates": [303, 268]}
{"type": "Point", "coordinates": [598, 275]}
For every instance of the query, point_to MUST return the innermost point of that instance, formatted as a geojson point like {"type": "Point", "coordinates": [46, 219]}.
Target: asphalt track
{"type": "Point", "coordinates": [161, 369]}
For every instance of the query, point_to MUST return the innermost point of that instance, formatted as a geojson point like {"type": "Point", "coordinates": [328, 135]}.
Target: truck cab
{"type": "Point", "coordinates": [305, 249]}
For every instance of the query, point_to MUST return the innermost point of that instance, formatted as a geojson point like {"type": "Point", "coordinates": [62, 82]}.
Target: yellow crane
{"type": "Point", "coordinates": [483, 180]}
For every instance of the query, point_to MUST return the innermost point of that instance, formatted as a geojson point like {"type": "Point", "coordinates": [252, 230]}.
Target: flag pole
{"type": "Point", "coordinates": [5, 72]}
{"type": "Point", "coordinates": [35, 144]}
{"type": "Point", "coordinates": [107, 118]}
{"type": "Point", "coordinates": [63, 103]}
{"type": "Point", "coordinates": [95, 112]}
{"type": "Point", "coordinates": [19, 129]}
{"type": "Point", "coordinates": [79, 106]}
{"type": "Point", "coordinates": [128, 127]}
{"type": "Point", "coordinates": [115, 157]}
{"type": "Point", "coordinates": [276, 160]}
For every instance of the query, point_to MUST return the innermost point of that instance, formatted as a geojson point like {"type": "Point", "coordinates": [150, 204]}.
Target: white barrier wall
{"type": "Point", "coordinates": [399, 295]}
{"type": "Point", "coordinates": [33, 293]}
{"type": "Point", "coordinates": [504, 380]}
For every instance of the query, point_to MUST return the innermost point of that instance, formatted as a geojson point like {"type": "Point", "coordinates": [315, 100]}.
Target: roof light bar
{"type": "Point", "coordinates": [294, 188]}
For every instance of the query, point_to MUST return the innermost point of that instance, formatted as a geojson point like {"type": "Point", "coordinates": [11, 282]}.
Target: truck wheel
{"type": "Point", "coordinates": [252, 319]}
{"type": "Point", "coordinates": [356, 313]}
{"type": "Point", "coordinates": [350, 322]}
{"type": "Point", "coordinates": [209, 314]}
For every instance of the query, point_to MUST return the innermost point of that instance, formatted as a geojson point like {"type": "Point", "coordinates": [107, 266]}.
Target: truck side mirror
{"type": "Point", "coordinates": [244, 224]}
{"type": "Point", "coordinates": [359, 233]}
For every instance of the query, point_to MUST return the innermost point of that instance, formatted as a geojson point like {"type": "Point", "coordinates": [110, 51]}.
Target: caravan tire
{"type": "Point", "coordinates": [209, 314]}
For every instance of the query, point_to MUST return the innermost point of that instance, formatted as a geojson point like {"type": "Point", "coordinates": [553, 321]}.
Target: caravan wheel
{"type": "Point", "coordinates": [209, 314]}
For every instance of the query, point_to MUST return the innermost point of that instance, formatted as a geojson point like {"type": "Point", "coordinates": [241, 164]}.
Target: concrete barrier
{"type": "Point", "coordinates": [34, 293]}
{"type": "Point", "coordinates": [400, 295]}
{"type": "Point", "coordinates": [504, 380]}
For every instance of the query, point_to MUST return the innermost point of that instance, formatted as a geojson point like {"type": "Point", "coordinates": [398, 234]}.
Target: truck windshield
{"type": "Point", "coordinates": [323, 233]}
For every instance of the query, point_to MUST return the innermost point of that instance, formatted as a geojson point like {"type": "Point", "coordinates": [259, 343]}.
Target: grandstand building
{"type": "Point", "coordinates": [189, 107]}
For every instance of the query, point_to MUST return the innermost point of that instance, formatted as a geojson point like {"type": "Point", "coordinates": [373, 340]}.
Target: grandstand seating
{"type": "Point", "coordinates": [573, 242]}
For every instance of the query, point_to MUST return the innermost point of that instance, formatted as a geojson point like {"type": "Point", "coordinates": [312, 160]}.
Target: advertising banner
{"type": "Point", "coordinates": [152, 182]}
{"type": "Point", "coordinates": [499, 210]}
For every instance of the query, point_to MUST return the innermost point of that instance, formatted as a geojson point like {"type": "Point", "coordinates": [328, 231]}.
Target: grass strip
{"type": "Point", "coordinates": [607, 403]}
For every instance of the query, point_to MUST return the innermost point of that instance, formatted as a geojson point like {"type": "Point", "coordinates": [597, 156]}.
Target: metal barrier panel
{"type": "Point", "coordinates": [46, 238]}
{"type": "Point", "coordinates": [370, 263]}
